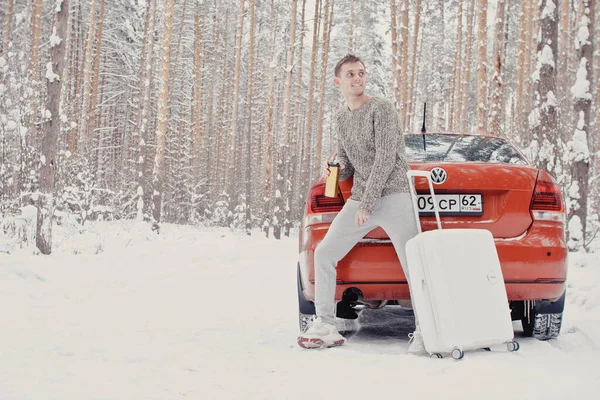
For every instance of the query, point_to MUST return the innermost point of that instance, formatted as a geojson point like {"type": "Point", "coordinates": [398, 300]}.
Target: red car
{"type": "Point", "coordinates": [481, 182]}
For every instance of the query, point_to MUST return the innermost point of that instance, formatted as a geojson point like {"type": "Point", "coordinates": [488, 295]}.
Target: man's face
{"type": "Point", "coordinates": [352, 79]}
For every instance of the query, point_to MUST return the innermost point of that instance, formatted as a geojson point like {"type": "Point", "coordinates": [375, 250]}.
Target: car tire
{"type": "Point", "coordinates": [543, 326]}
{"type": "Point", "coordinates": [304, 320]}
{"type": "Point", "coordinates": [542, 319]}
{"type": "Point", "coordinates": [306, 309]}
{"type": "Point", "coordinates": [304, 306]}
{"type": "Point", "coordinates": [306, 313]}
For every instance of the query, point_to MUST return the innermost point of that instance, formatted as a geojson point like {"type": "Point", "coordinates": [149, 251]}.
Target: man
{"type": "Point", "coordinates": [370, 147]}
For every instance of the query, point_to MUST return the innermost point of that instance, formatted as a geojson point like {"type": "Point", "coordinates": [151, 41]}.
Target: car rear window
{"type": "Point", "coordinates": [461, 148]}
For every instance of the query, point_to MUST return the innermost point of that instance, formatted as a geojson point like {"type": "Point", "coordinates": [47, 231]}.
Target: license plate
{"type": "Point", "coordinates": [458, 204]}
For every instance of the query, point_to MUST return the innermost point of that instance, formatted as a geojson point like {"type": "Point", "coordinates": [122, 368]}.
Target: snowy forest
{"type": "Point", "coordinates": [219, 112]}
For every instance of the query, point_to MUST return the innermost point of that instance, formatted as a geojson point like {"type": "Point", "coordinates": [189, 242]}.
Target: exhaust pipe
{"type": "Point", "coordinates": [355, 295]}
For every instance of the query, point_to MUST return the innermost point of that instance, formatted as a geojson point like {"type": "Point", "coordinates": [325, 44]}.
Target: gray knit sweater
{"type": "Point", "coordinates": [371, 146]}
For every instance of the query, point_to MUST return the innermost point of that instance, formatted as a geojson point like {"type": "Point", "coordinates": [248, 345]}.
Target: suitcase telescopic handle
{"type": "Point", "coordinates": [413, 194]}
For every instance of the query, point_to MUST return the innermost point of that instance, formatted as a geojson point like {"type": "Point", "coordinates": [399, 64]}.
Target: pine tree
{"type": "Point", "coordinates": [579, 154]}
{"type": "Point", "coordinates": [327, 23]}
{"type": "Point", "coordinates": [455, 113]}
{"type": "Point", "coordinates": [413, 65]}
{"type": "Point", "coordinates": [308, 126]}
{"type": "Point", "coordinates": [51, 128]}
{"type": "Point", "coordinates": [7, 30]}
{"type": "Point", "coordinates": [249, 125]}
{"type": "Point", "coordinates": [466, 78]}
{"type": "Point", "coordinates": [268, 162]}
{"type": "Point", "coordinates": [233, 145]}
{"type": "Point", "coordinates": [140, 132]}
{"type": "Point", "coordinates": [498, 54]}
{"type": "Point", "coordinates": [34, 73]}
{"type": "Point", "coordinates": [158, 176]}
{"type": "Point", "coordinates": [404, 65]}
{"type": "Point", "coordinates": [299, 178]}
{"type": "Point", "coordinates": [482, 67]}
{"type": "Point", "coordinates": [395, 51]}
{"type": "Point", "coordinates": [83, 136]}
{"type": "Point", "coordinates": [543, 117]}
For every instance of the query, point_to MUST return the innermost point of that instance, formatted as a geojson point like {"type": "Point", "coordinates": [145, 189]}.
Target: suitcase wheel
{"type": "Point", "coordinates": [457, 354]}
{"type": "Point", "coordinates": [436, 355]}
{"type": "Point", "coordinates": [513, 346]}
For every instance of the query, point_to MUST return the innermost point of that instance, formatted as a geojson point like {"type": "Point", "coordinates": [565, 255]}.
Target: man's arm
{"type": "Point", "coordinates": [348, 170]}
{"type": "Point", "coordinates": [387, 136]}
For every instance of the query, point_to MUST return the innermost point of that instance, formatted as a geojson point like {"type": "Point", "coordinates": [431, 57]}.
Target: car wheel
{"type": "Point", "coordinates": [306, 308]}
{"type": "Point", "coordinates": [542, 326]}
{"type": "Point", "coordinates": [546, 326]}
{"type": "Point", "coordinates": [542, 319]}
{"type": "Point", "coordinates": [306, 313]}
{"type": "Point", "coordinates": [304, 320]}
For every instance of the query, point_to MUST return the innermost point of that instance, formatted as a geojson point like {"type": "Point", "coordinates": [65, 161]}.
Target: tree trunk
{"type": "Point", "coordinates": [269, 124]}
{"type": "Point", "coordinates": [222, 120]}
{"type": "Point", "coordinates": [283, 170]}
{"type": "Point", "coordinates": [543, 117]}
{"type": "Point", "coordinates": [197, 115]}
{"type": "Point", "coordinates": [443, 77]}
{"type": "Point", "coordinates": [395, 61]}
{"type": "Point", "coordinates": [521, 71]}
{"type": "Point", "coordinates": [83, 137]}
{"type": "Point", "coordinates": [249, 142]}
{"type": "Point", "coordinates": [466, 79]}
{"type": "Point", "coordinates": [596, 141]}
{"type": "Point", "coordinates": [51, 130]}
{"type": "Point", "coordinates": [404, 63]}
{"type": "Point", "coordinates": [212, 166]}
{"type": "Point", "coordinates": [482, 67]}
{"type": "Point", "coordinates": [563, 38]}
{"type": "Point", "coordinates": [8, 23]}
{"type": "Point", "coordinates": [413, 66]}
{"type": "Point", "coordinates": [140, 134]}
{"type": "Point", "coordinates": [308, 126]}
{"type": "Point", "coordinates": [94, 111]}
{"type": "Point", "coordinates": [457, 86]}
{"type": "Point", "coordinates": [34, 71]}
{"type": "Point", "coordinates": [65, 95]}
{"type": "Point", "coordinates": [232, 153]}
{"type": "Point", "coordinates": [98, 135]}
{"type": "Point", "coordinates": [177, 128]}
{"type": "Point", "coordinates": [351, 27]}
{"type": "Point", "coordinates": [579, 154]}
{"type": "Point", "coordinates": [328, 17]}
{"type": "Point", "coordinates": [595, 138]}
{"type": "Point", "coordinates": [527, 69]}
{"type": "Point", "coordinates": [297, 196]}
{"type": "Point", "coordinates": [75, 76]}
{"type": "Point", "coordinates": [158, 178]}
{"type": "Point", "coordinates": [496, 109]}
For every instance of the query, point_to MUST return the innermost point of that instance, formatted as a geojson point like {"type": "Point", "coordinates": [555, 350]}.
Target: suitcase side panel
{"type": "Point", "coordinates": [460, 298]}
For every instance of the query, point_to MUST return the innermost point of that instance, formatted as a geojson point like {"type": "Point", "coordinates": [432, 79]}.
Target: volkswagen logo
{"type": "Point", "coordinates": [438, 175]}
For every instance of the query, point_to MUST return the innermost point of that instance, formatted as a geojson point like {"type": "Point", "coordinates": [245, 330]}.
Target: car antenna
{"type": "Point", "coordinates": [423, 130]}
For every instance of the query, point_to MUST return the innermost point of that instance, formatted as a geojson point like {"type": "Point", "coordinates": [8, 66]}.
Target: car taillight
{"type": "Point", "coordinates": [547, 202]}
{"type": "Point", "coordinates": [319, 203]}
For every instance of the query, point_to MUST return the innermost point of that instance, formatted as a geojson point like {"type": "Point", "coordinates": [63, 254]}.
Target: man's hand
{"type": "Point", "coordinates": [326, 170]}
{"type": "Point", "coordinates": [361, 217]}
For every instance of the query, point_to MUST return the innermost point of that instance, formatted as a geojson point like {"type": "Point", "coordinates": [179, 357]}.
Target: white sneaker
{"type": "Point", "coordinates": [415, 344]}
{"type": "Point", "coordinates": [320, 334]}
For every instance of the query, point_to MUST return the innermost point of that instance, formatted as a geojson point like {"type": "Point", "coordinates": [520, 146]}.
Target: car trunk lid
{"type": "Point", "coordinates": [505, 190]}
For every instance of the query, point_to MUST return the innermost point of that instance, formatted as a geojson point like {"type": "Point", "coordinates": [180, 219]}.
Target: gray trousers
{"type": "Point", "coordinates": [393, 213]}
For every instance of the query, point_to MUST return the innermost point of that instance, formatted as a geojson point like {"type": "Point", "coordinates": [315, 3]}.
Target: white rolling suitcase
{"type": "Point", "coordinates": [457, 287]}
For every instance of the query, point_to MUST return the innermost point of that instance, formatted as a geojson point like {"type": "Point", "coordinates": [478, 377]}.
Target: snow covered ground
{"type": "Point", "coordinates": [207, 314]}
